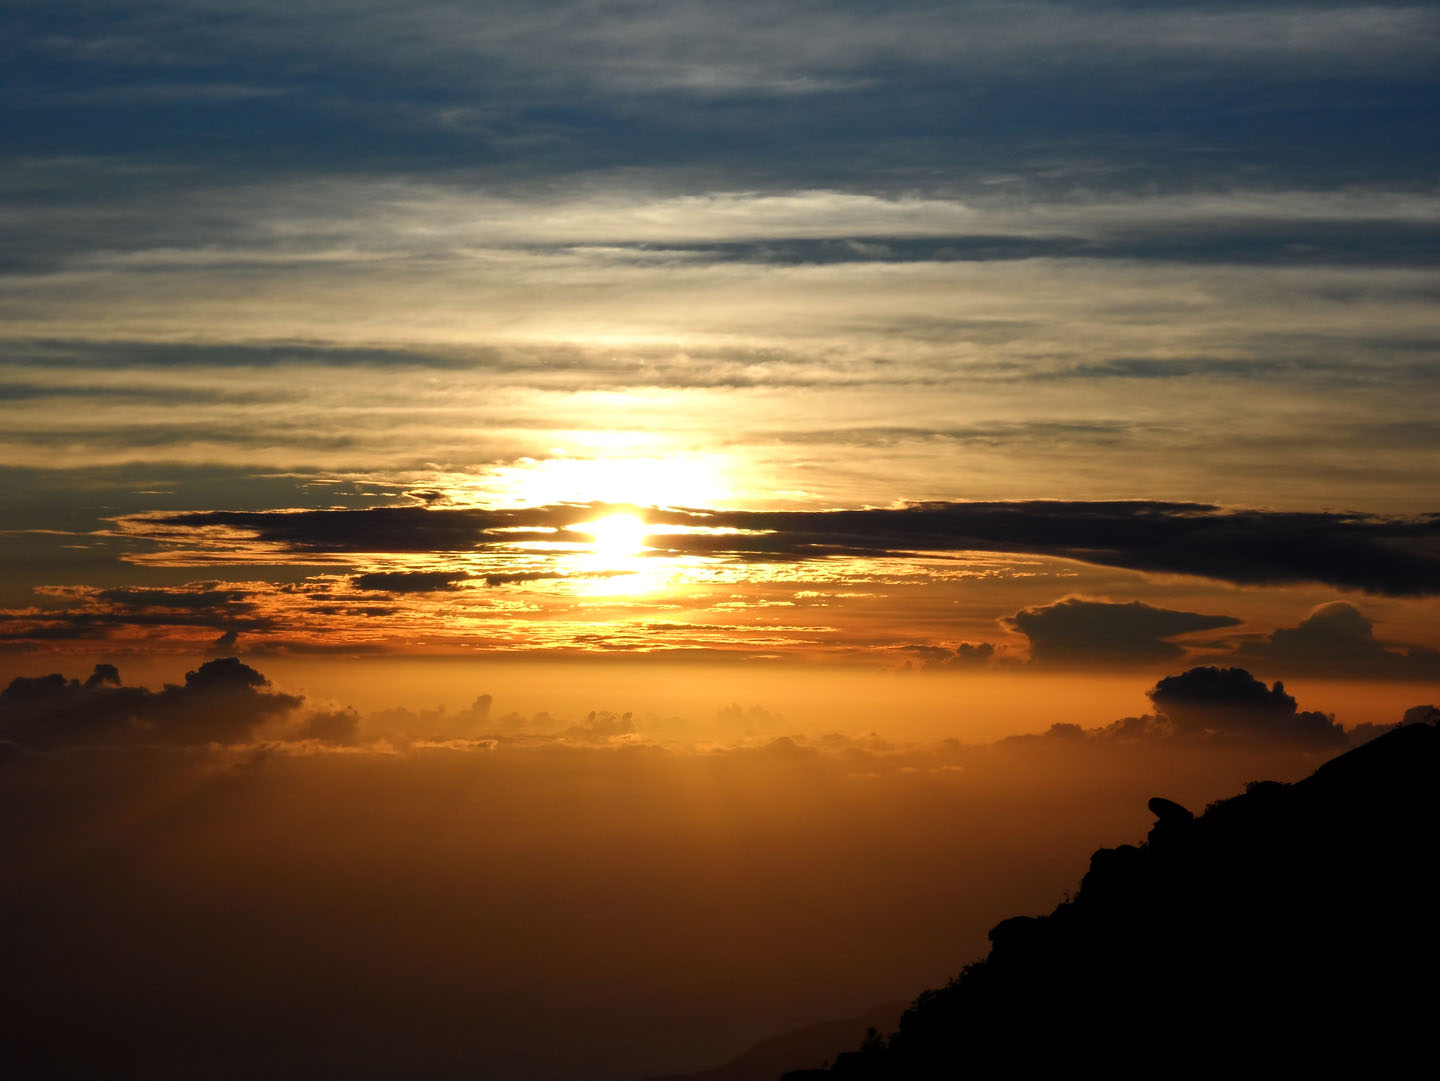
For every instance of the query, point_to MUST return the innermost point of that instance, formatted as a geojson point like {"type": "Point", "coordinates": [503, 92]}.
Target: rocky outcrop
{"type": "Point", "coordinates": [1293, 927]}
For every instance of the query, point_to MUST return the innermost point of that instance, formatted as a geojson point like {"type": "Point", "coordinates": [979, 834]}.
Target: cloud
{"type": "Point", "coordinates": [1422, 715]}
{"type": "Point", "coordinates": [87, 613]}
{"type": "Point", "coordinates": [964, 655]}
{"type": "Point", "coordinates": [224, 646]}
{"type": "Point", "coordinates": [1232, 702]}
{"type": "Point", "coordinates": [222, 701]}
{"type": "Point", "coordinates": [602, 725]}
{"type": "Point", "coordinates": [513, 860]}
{"type": "Point", "coordinates": [483, 56]}
{"type": "Point", "coordinates": [509, 578]}
{"type": "Point", "coordinates": [1080, 632]}
{"type": "Point", "coordinates": [226, 702]}
{"type": "Point", "coordinates": [1395, 556]}
{"type": "Point", "coordinates": [452, 551]}
{"type": "Point", "coordinates": [409, 581]}
{"type": "Point", "coordinates": [466, 889]}
{"type": "Point", "coordinates": [339, 726]}
{"type": "Point", "coordinates": [1338, 640]}
{"type": "Point", "coordinates": [1210, 709]}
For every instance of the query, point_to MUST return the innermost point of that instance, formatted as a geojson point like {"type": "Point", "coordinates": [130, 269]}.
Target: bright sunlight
{"type": "Point", "coordinates": [616, 536]}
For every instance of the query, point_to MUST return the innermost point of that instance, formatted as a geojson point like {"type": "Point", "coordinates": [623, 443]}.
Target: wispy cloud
{"type": "Point", "coordinates": [744, 47]}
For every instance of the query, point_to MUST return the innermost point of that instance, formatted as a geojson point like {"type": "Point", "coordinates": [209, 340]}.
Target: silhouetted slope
{"type": "Point", "coordinates": [813, 1043]}
{"type": "Point", "coordinates": [1292, 927]}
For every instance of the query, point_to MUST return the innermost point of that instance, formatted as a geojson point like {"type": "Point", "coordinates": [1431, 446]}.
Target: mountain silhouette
{"type": "Point", "coordinates": [813, 1043]}
{"type": "Point", "coordinates": [1293, 927]}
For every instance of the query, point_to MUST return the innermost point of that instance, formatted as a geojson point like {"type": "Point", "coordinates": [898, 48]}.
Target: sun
{"type": "Point", "coordinates": [616, 536]}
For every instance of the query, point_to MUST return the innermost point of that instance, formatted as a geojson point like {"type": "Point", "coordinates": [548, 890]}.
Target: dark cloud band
{"type": "Point", "coordinates": [1380, 555]}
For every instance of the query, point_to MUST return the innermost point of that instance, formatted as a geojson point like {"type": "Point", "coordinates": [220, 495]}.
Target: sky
{"type": "Point", "coordinates": [602, 383]}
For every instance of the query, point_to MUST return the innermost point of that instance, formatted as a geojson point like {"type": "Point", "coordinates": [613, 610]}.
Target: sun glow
{"type": "Point", "coordinates": [615, 562]}
{"type": "Point", "coordinates": [616, 536]}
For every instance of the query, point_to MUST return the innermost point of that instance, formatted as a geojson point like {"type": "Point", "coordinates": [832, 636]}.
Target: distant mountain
{"type": "Point", "coordinates": [1291, 928]}
{"type": "Point", "coordinates": [811, 1045]}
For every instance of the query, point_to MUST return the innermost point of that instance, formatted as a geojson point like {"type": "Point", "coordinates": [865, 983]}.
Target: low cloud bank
{"type": "Point", "coordinates": [534, 898]}
{"type": "Point", "coordinates": [226, 702]}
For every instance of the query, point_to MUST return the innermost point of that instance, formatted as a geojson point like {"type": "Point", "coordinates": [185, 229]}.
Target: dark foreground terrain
{"type": "Point", "coordinates": [1293, 927]}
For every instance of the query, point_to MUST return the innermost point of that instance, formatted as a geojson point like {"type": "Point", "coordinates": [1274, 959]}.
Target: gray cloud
{"type": "Point", "coordinates": [964, 655]}
{"type": "Point", "coordinates": [339, 726]}
{"type": "Point", "coordinates": [743, 48]}
{"type": "Point", "coordinates": [1048, 433]}
{"type": "Point", "coordinates": [1393, 556]}
{"type": "Point", "coordinates": [1225, 242]}
{"type": "Point", "coordinates": [1338, 640]}
{"type": "Point", "coordinates": [1224, 710]}
{"type": "Point", "coordinates": [1081, 632]}
{"type": "Point", "coordinates": [222, 701]}
{"type": "Point", "coordinates": [409, 581]}
{"type": "Point", "coordinates": [1231, 702]}
{"type": "Point", "coordinates": [87, 613]}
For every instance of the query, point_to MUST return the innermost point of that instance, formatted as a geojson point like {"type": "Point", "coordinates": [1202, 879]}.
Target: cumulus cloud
{"type": "Point", "coordinates": [338, 726]}
{"type": "Point", "coordinates": [1232, 702]}
{"type": "Point", "coordinates": [222, 701]}
{"type": "Point", "coordinates": [1338, 640]}
{"type": "Point", "coordinates": [1223, 710]}
{"type": "Point", "coordinates": [1078, 632]}
{"type": "Point", "coordinates": [1215, 709]}
{"type": "Point", "coordinates": [601, 725]}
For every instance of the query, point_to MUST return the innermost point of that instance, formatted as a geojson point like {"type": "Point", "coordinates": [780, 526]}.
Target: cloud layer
{"type": "Point", "coordinates": [1390, 556]}
{"type": "Point", "coordinates": [465, 882]}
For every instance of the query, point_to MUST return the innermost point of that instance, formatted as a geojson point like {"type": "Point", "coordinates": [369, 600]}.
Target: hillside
{"type": "Point", "coordinates": [1290, 927]}
{"type": "Point", "coordinates": [813, 1043]}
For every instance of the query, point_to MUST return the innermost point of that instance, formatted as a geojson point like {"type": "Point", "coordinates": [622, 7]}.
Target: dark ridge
{"type": "Point", "coordinates": [1289, 928]}
{"type": "Point", "coordinates": [813, 1043]}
